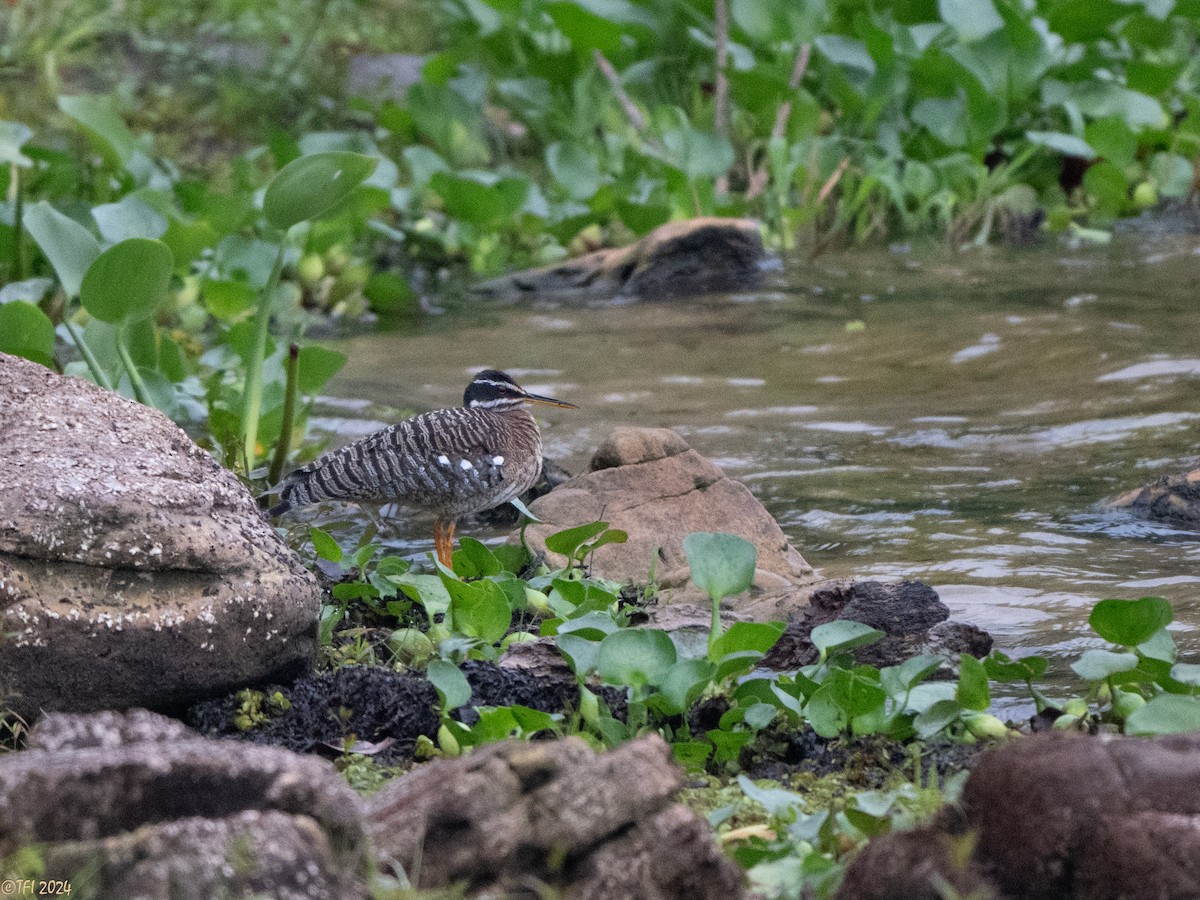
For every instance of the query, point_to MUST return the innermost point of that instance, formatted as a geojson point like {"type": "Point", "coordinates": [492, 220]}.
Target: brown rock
{"type": "Point", "coordinates": [134, 570]}
{"type": "Point", "coordinates": [1059, 816]}
{"type": "Point", "coordinates": [593, 825]}
{"type": "Point", "coordinates": [648, 483]}
{"type": "Point", "coordinates": [142, 809]}
{"type": "Point", "coordinates": [697, 256]}
{"type": "Point", "coordinates": [915, 865]}
{"type": "Point", "coordinates": [1173, 499]}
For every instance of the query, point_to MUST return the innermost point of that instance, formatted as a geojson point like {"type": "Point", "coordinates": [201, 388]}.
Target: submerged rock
{"type": "Point", "coordinates": [699, 256]}
{"type": "Point", "coordinates": [1055, 816]}
{"type": "Point", "coordinates": [516, 816]}
{"type": "Point", "coordinates": [651, 484]}
{"type": "Point", "coordinates": [134, 570]}
{"type": "Point", "coordinates": [135, 806]}
{"type": "Point", "coordinates": [1174, 499]}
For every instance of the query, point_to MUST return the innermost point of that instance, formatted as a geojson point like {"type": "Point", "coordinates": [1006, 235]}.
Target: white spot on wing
{"type": "Point", "coordinates": [466, 464]}
{"type": "Point", "coordinates": [497, 460]}
{"type": "Point", "coordinates": [444, 459]}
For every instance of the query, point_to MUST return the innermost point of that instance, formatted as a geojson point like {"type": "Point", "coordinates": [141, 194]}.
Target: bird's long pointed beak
{"type": "Point", "coordinates": [549, 401]}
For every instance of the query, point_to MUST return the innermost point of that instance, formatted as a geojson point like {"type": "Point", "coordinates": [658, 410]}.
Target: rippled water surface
{"type": "Point", "coordinates": [953, 418]}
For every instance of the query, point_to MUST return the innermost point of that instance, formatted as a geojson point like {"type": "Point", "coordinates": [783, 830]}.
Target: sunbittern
{"type": "Point", "coordinates": [449, 462]}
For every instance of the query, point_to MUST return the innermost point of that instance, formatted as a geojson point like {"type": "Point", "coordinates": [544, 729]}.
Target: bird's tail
{"type": "Point", "coordinates": [293, 492]}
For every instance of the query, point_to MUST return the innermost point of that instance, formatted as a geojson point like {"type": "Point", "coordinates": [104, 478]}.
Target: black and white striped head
{"type": "Point", "coordinates": [492, 389]}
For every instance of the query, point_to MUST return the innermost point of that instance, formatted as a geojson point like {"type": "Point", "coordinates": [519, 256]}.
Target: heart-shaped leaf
{"type": "Point", "coordinates": [308, 187]}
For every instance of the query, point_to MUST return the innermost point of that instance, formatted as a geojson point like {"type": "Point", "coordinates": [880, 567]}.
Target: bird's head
{"type": "Point", "coordinates": [493, 389]}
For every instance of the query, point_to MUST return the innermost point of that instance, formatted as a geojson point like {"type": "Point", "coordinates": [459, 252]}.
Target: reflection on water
{"type": "Point", "coordinates": [964, 436]}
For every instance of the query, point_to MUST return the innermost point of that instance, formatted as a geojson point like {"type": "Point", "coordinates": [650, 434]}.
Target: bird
{"type": "Point", "coordinates": [449, 462]}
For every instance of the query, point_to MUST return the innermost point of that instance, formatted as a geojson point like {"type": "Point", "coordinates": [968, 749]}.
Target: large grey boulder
{"type": "Point", "coordinates": [697, 256]}
{"type": "Point", "coordinates": [134, 570]}
{"type": "Point", "coordinates": [651, 484]}
{"type": "Point", "coordinates": [136, 806]}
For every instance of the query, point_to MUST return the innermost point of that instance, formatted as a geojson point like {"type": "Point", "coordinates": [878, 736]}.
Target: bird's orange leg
{"type": "Point", "coordinates": [443, 541]}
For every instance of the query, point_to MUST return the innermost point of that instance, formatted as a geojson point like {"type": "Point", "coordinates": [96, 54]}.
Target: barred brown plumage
{"type": "Point", "coordinates": [449, 462]}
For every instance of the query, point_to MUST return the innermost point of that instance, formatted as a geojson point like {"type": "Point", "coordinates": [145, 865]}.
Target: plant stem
{"type": "Point", "coordinates": [721, 106]}
{"type": "Point", "coordinates": [18, 201]}
{"type": "Point", "coordinates": [254, 385]}
{"type": "Point", "coordinates": [289, 415]}
{"type": "Point", "coordinates": [714, 632]}
{"type": "Point", "coordinates": [93, 365]}
{"type": "Point", "coordinates": [139, 386]}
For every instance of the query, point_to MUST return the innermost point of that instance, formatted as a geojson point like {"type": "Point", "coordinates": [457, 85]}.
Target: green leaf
{"type": "Point", "coordinates": [327, 548]}
{"type": "Point", "coordinates": [847, 52]}
{"type": "Point", "coordinates": [316, 366]}
{"type": "Point", "coordinates": [1130, 622]}
{"type": "Point", "coordinates": [1186, 673]}
{"type": "Point", "coordinates": [127, 281]}
{"type": "Point", "coordinates": [699, 154]}
{"type": "Point", "coordinates": [722, 565]}
{"type": "Point", "coordinates": [13, 136]}
{"type": "Point", "coordinates": [972, 19]}
{"type": "Point", "coordinates": [480, 557]}
{"type": "Point", "coordinates": [772, 22]}
{"type": "Point", "coordinates": [1165, 714]}
{"type": "Point", "coordinates": [842, 634]}
{"type": "Point", "coordinates": [229, 301]}
{"type": "Point", "coordinates": [1000, 667]}
{"type": "Point", "coordinates": [581, 653]}
{"type": "Point", "coordinates": [684, 683]}
{"type": "Point", "coordinates": [428, 590]}
{"type": "Point", "coordinates": [636, 657]}
{"type": "Point", "coordinates": [389, 292]}
{"type": "Point", "coordinates": [973, 690]}
{"type": "Point", "coordinates": [935, 719]}
{"type": "Point", "coordinates": [1174, 174]}
{"type": "Point", "coordinates": [68, 245]}
{"type": "Point", "coordinates": [479, 610]}
{"type": "Point", "coordinates": [1096, 665]}
{"type": "Point", "coordinates": [945, 117]}
{"type": "Point", "coordinates": [308, 187]}
{"type": "Point", "coordinates": [129, 217]}
{"type": "Point", "coordinates": [99, 118]}
{"type": "Point", "coordinates": [826, 716]}
{"type": "Point", "coordinates": [574, 168]}
{"type": "Point", "coordinates": [1066, 144]}
{"type": "Point", "coordinates": [566, 542]}
{"type": "Point", "coordinates": [450, 682]}
{"type": "Point", "coordinates": [912, 671]}
{"type": "Point", "coordinates": [481, 198]}
{"type": "Point", "coordinates": [27, 332]}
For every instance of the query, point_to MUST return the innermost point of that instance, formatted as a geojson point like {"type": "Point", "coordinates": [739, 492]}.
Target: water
{"type": "Point", "coordinates": [952, 418]}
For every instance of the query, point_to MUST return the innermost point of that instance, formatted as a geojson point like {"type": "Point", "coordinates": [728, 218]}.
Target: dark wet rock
{"type": "Point", "coordinates": [529, 677]}
{"type": "Point", "coordinates": [1174, 499]}
{"type": "Point", "coordinates": [493, 685]}
{"type": "Point", "coordinates": [909, 613]}
{"type": "Point", "coordinates": [698, 256]}
{"type": "Point", "coordinates": [1064, 816]}
{"type": "Point", "coordinates": [516, 815]}
{"type": "Point", "coordinates": [375, 705]}
{"type": "Point", "coordinates": [135, 812]}
{"type": "Point", "coordinates": [649, 483]}
{"type": "Point", "coordinates": [134, 570]}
